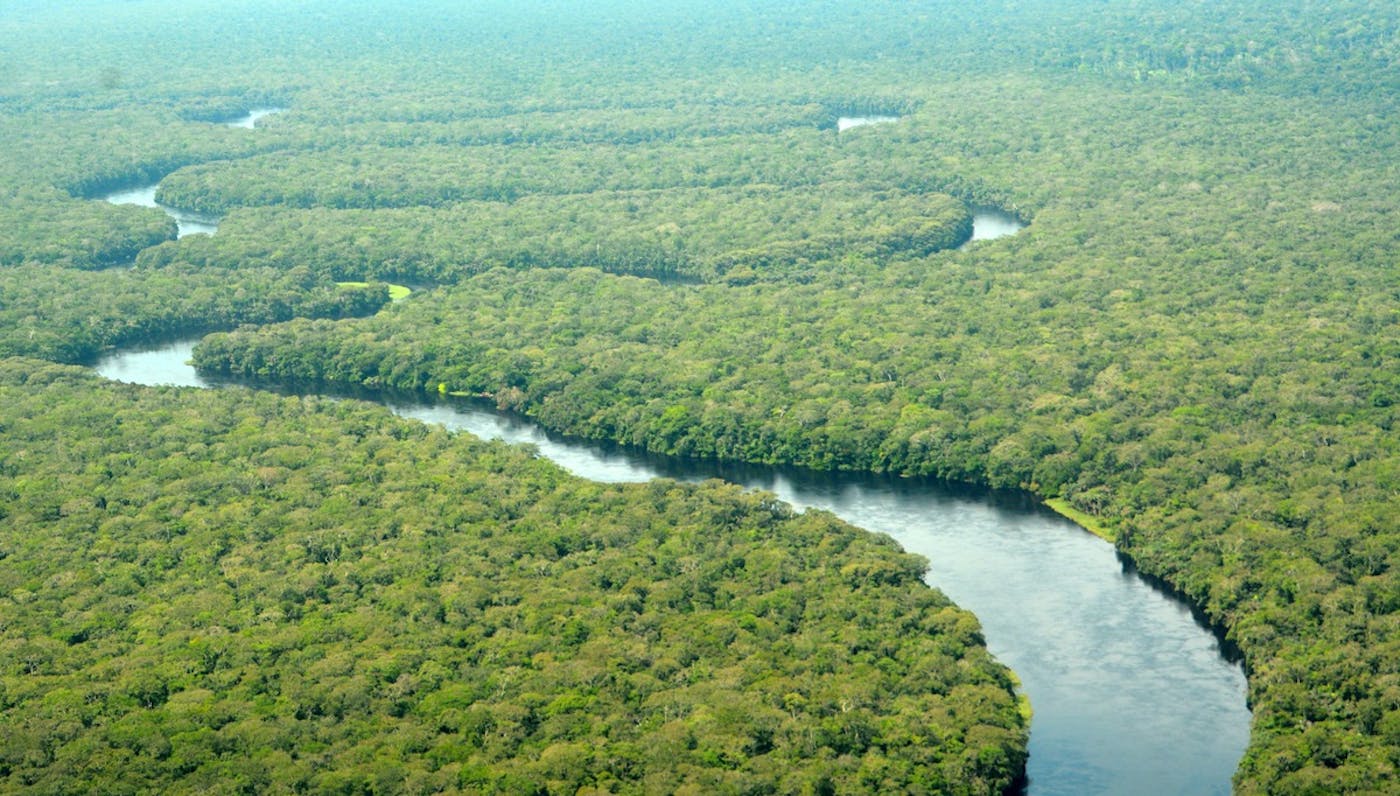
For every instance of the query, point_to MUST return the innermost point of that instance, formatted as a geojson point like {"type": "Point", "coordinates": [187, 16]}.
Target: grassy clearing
{"type": "Point", "coordinates": [1088, 522]}
{"type": "Point", "coordinates": [396, 292]}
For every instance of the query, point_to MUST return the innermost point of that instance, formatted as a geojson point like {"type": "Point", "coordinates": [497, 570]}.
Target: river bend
{"type": "Point", "coordinates": [1132, 695]}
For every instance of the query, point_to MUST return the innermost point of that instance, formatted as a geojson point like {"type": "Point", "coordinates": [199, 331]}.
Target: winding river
{"type": "Point", "coordinates": [186, 221]}
{"type": "Point", "coordinates": [988, 223]}
{"type": "Point", "coordinates": [1131, 693]}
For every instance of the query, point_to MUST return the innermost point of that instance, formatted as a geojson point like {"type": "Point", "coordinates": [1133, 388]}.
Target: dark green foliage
{"type": "Point", "coordinates": [237, 591]}
{"type": "Point", "coordinates": [1194, 341]}
{"type": "Point", "coordinates": [44, 232]}
{"type": "Point", "coordinates": [1212, 385]}
{"type": "Point", "coordinates": [753, 232]}
{"type": "Point", "coordinates": [72, 316]}
{"type": "Point", "coordinates": [435, 175]}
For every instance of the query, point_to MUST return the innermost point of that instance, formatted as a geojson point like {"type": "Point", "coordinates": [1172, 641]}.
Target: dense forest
{"type": "Point", "coordinates": [1193, 343]}
{"type": "Point", "coordinates": [215, 589]}
{"type": "Point", "coordinates": [734, 235]}
{"type": "Point", "coordinates": [71, 316]}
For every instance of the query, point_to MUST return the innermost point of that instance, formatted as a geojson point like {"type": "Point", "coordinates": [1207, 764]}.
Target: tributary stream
{"type": "Point", "coordinates": [1132, 695]}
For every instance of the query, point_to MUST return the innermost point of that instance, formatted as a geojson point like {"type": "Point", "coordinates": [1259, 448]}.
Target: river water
{"type": "Point", "coordinates": [250, 119]}
{"type": "Point", "coordinates": [1132, 695]}
{"type": "Point", "coordinates": [187, 222]}
{"type": "Point", "coordinates": [845, 123]}
{"type": "Point", "coordinates": [990, 223]}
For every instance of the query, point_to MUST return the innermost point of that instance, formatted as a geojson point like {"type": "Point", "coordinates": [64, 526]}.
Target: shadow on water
{"type": "Point", "coordinates": [1132, 692]}
{"type": "Point", "coordinates": [187, 222]}
{"type": "Point", "coordinates": [1229, 650]}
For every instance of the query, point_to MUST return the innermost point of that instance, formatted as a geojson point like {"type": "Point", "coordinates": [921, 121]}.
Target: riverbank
{"type": "Point", "coordinates": [1090, 647]}
{"type": "Point", "coordinates": [1086, 521]}
{"type": "Point", "coordinates": [394, 584]}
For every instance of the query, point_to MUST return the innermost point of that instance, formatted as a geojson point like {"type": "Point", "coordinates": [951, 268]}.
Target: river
{"type": "Point", "coordinates": [845, 123]}
{"type": "Point", "coordinates": [250, 119]}
{"type": "Point", "coordinates": [186, 222]}
{"type": "Point", "coordinates": [988, 223]}
{"type": "Point", "coordinates": [1131, 693]}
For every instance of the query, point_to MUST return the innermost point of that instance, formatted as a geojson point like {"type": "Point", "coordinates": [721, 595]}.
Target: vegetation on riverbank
{"type": "Point", "coordinates": [73, 316]}
{"type": "Point", "coordinates": [230, 590]}
{"type": "Point", "coordinates": [1193, 343]}
{"type": "Point", "coordinates": [734, 234]}
{"type": "Point", "coordinates": [1083, 519]}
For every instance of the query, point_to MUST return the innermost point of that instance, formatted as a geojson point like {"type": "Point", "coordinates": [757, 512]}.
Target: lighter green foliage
{"type": "Point", "coordinates": [202, 585]}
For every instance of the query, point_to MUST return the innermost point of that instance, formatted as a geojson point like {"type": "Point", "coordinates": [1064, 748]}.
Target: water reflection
{"type": "Point", "coordinates": [187, 222]}
{"type": "Point", "coordinates": [845, 123]}
{"type": "Point", "coordinates": [250, 119]}
{"type": "Point", "coordinates": [990, 223]}
{"type": "Point", "coordinates": [1131, 693]}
